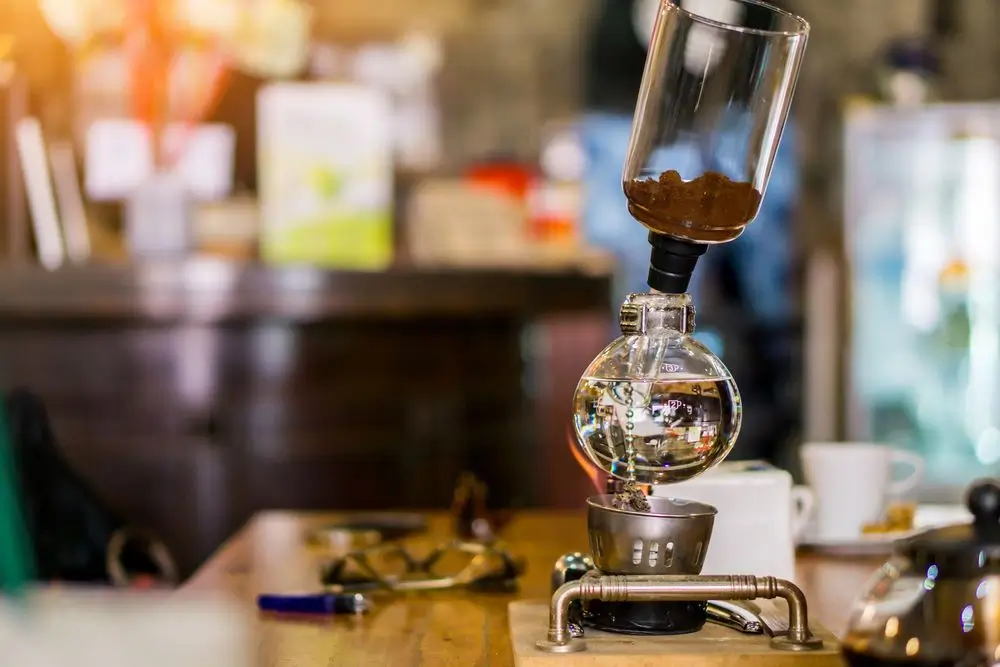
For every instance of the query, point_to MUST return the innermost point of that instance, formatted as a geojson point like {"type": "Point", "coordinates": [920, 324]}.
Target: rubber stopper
{"type": "Point", "coordinates": [672, 263]}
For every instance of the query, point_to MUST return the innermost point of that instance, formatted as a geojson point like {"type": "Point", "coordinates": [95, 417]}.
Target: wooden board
{"type": "Point", "coordinates": [714, 646]}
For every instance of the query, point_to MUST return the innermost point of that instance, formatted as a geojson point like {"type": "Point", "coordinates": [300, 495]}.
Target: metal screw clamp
{"type": "Point", "coordinates": [632, 319]}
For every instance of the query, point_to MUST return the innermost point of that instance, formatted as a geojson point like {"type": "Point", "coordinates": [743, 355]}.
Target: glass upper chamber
{"type": "Point", "coordinates": [715, 94]}
{"type": "Point", "coordinates": [659, 394]}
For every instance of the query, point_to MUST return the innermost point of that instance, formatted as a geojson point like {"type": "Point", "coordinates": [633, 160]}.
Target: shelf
{"type": "Point", "coordinates": [208, 290]}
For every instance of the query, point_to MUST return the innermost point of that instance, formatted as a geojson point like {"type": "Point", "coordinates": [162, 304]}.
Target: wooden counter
{"type": "Point", "coordinates": [454, 629]}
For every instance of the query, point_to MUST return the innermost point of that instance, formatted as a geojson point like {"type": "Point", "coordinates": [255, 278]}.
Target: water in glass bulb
{"type": "Point", "coordinates": [657, 432]}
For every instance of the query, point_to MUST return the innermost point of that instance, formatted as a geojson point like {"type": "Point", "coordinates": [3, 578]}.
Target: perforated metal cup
{"type": "Point", "coordinates": [670, 539]}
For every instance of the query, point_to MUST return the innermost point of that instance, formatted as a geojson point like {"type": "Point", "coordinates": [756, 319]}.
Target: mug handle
{"type": "Point", "coordinates": [909, 482]}
{"type": "Point", "coordinates": [803, 501]}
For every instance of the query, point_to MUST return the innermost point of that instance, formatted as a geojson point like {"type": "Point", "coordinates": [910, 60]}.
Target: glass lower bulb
{"type": "Point", "coordinates": [656, 406]}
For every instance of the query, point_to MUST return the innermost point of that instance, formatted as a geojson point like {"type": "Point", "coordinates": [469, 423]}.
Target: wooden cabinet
{"type": "Point", "coordinates": [189, 421]}
{"type": "Point", "coordinates": [134, 408]}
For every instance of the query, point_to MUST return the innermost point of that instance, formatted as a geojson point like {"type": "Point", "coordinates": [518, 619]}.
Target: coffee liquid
{"type": "Point", "coordinates": [709, 209]}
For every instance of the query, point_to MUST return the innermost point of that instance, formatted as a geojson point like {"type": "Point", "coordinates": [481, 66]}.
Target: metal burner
{"type": "Point", "coordinates": [668, 588]}
{"type": "Point", "coordinates": [645, 559]}
{"type": "Point", "coordinates": [645, 618]}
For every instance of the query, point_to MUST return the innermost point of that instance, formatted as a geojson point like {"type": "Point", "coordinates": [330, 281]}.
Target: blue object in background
{"type": "Point", "coordinates": [322, 603]}
{"type": "Point", "coordinates": [762, 256]}
{"type": "Point", "coordinates": [606, 222]}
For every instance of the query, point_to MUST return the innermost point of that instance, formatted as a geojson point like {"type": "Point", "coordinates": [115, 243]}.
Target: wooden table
{"type": "Point", "coordinates": [460, 629]}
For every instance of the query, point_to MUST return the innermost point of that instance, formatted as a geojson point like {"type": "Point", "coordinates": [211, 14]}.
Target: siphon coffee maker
{"type": "Point", "coordinates": [656, 406]}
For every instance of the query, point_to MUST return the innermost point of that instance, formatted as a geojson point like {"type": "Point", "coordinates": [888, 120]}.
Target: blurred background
{"type": "Point", "coordinates": [287, 254]}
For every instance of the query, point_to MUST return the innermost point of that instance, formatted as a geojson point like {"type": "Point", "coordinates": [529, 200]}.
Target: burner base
{"type": "Point", "coordinates": [645, 618]}
{"type": "Point", "coordinates": [712, 646]}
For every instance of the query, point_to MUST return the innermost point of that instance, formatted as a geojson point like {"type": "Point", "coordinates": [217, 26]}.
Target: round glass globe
{"type": "Point", "coordinates": [657, 397]}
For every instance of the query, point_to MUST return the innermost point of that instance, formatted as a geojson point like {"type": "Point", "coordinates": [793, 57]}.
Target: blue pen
{"type": "Point", "coordinates": [325, 604]}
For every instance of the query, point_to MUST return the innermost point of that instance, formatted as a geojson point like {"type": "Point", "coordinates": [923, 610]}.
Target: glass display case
{"type": "Point", "coordinates": [922, 235]}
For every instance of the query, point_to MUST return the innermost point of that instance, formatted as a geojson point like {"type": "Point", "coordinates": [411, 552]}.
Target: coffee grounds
{"type": "Point", "coordinates": [709, 209]}
{"type": "Point", "coordinates": [631, 498]}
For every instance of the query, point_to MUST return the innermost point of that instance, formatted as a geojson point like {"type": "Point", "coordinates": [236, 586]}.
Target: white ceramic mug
{"type": "Point", "coordinates": [750, 535]}
{"type": "Point", "coordinates": [851, 482]}
{"type": "Point", "coordinates": [803, 504]}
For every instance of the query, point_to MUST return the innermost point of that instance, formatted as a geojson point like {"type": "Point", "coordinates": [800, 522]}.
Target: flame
{"type": "Point", "coordinates": [592, 472]}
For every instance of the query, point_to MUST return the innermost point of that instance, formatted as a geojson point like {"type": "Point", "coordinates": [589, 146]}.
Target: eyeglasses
{"type": "Point", "coordinates": [458, 564]}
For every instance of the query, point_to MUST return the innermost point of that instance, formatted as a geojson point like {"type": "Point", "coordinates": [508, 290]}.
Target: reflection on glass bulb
{"type": "Point", "coordinates": [678, 427]}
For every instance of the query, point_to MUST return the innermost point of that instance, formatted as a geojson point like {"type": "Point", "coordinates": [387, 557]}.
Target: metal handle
{"type": "Point", "coordinates": [669, 588]}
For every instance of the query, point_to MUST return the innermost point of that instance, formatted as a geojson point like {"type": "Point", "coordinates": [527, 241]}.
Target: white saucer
{"type": "Point", "coordinates": [881, 544]}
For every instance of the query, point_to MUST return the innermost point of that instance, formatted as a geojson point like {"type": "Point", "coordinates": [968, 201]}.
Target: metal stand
{"type": "Point", "coordinates": [670, 588]}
